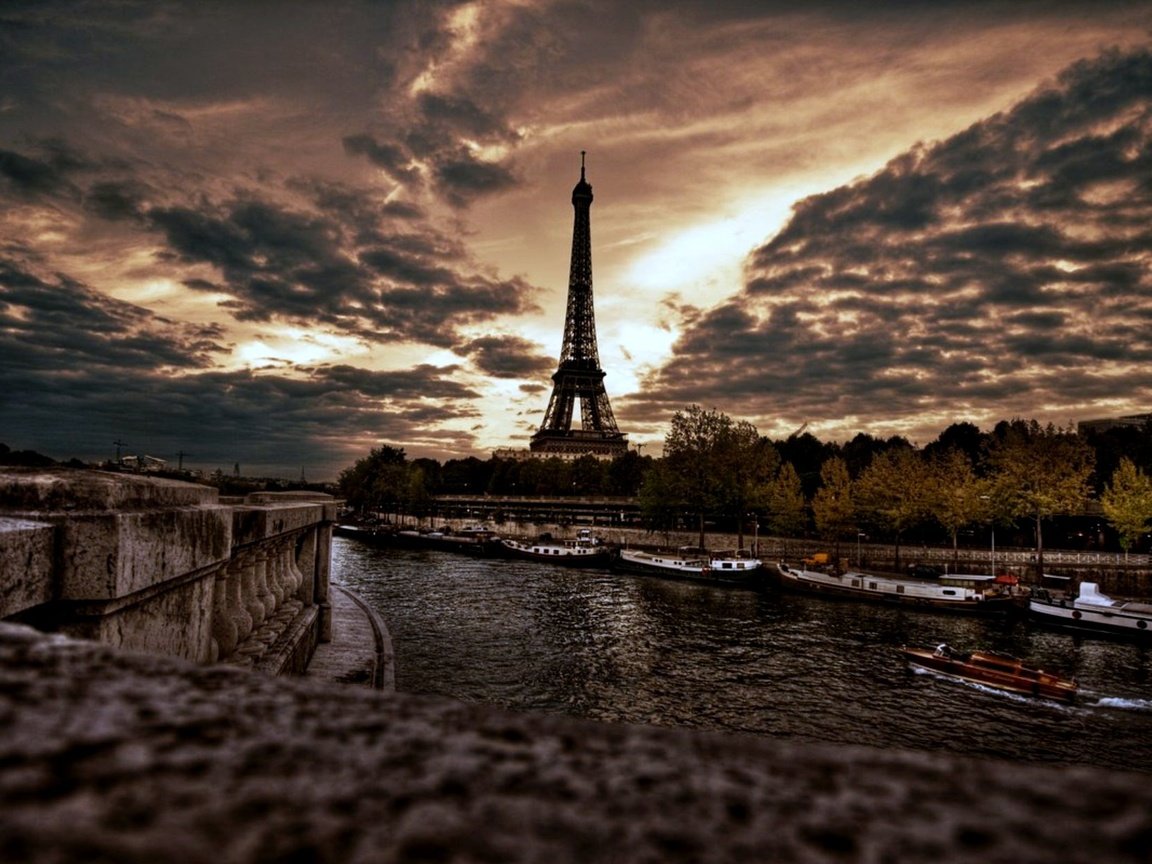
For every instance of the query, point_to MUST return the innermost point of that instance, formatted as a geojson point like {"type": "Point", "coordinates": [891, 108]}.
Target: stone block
{"type": "Point", "coordinates": [254, 523]}
{"type": "Point", "coordinates": [176, 621]}
{"type": "Point", "coordinates": [109, 555]}
{"type": "Point", "coordinates": [26, 565]}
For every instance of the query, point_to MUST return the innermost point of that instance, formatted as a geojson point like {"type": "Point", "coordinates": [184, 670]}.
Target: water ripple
{"type": "Point", "coordinates": [643, 650]}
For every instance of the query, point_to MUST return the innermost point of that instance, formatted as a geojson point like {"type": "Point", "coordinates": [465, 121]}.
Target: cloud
{"type": "Point", "coordinates": [508, 357]}
{"type": "Point", "coordinates": [343, 269]}
{"type": "Point", "coordinates": [1012, 261]}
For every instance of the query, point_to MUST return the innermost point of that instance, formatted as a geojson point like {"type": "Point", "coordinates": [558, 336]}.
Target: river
{"type": "Point", "coordinates": [637, 649]}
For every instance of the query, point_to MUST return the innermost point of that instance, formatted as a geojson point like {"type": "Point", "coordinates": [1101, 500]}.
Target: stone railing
{"type": "Point", "coordinates": [167, 567]}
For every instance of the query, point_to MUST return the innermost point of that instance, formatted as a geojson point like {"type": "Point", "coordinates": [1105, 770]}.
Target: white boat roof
{"type": "Point", "coordinates": [1090, 595]}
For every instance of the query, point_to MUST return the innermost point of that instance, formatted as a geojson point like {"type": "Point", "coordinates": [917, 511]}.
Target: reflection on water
{"type": "Point", "coordinates": [622, 648]}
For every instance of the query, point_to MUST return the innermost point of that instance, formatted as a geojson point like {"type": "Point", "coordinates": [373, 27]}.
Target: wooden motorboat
{"type": "Point", "coordinates": [1000, 671]}
{"type": "Point", "coordinates": [955, 592]}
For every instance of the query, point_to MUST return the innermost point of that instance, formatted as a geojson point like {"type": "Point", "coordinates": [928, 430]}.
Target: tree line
{"type": "Point", "coordinates": [715, 469]}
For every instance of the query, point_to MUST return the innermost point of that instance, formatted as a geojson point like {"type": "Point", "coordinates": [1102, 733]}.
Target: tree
{"type": "Point", "coordinates": [1127, 502]}
{"type": "Point", "coordinates": [697, 454]}
{"type": "Point", "coordinates": [374, 482]}
{"type": "Point", "coordinates": [1038, 472]}
{"type": "Point", "coordinates": [891, 492]}
{"type": "Point", "coordinates": [659, 498]}
{"type": "Point", "coordinates": [748, 463]}
{"type": "Point", "coordinates": [832, 506]}
{"type": "Point", "coordinates": [956, 497]}
{"type": "Point", "coordinates": [785, 504]}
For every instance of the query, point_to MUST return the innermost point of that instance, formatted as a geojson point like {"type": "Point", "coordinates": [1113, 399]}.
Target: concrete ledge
{"type": "Point", "coordinates": [108, 756]}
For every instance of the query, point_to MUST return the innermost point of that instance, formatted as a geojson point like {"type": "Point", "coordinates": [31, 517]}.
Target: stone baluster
{"type": "Point", "coordinates": [305, 563]}
{"type": "Point", "coordinates": [295, 577]}
{"type": "Point", "coordinates": [223, 627]}
{"type": "Point", "coordinates": [263, 593]}
{"type": "Point", "coordinates": [239, 570]}
{"type": "Point", "coordinates": [250, 580]}
{"type": "Point", "coordinates": [323, 557]}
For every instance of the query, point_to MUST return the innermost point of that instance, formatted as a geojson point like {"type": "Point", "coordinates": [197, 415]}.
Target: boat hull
{"type": "Point", "coordinates": [479, 545]}
{"type": "Point", "coordinates": [562, 555]}
{"type": "Point", "coordinates": [995, 670]}
{"type": "Point", "coordinates": [1104, 621]}
{"type": "Point", "coordinates": [739, 571]}
{"type": "Point", "coordinates": [900, 592]}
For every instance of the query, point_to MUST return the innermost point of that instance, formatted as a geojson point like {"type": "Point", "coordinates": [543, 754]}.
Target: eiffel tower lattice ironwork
{"type": "Point", "coordinates": [579, 378]}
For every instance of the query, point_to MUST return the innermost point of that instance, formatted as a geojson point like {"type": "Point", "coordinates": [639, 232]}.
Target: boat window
{"type": "Point", "coordinates": [899, 589]}
{"type": "Point", "coordinates": [855, 583]}
{"type": "Point", "coordinates": [872, 585]}
{"type": "Point", "coordinates": [948, 592]}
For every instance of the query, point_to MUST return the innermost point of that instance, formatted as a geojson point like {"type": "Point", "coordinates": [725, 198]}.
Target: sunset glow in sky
{"type": "Point", "coordinates": [281, 233]}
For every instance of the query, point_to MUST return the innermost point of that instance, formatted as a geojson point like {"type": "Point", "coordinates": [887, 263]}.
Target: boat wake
{"type": "Point", "coordinates": [1118, 703]}
{"type": "Point", "coordinates": [985, 688]}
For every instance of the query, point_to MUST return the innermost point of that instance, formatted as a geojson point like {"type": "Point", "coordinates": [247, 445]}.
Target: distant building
{"type": "Point", "coordinates": [1106, 423]}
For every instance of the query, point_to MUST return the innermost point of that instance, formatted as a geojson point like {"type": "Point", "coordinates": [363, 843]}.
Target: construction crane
{"type": "Point", "coordinates": [799, 431]}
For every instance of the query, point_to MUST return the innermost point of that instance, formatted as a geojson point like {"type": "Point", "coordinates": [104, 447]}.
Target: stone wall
{"type": "Point", "coordinates": [164, 566]}
{"type": "Point", "coordinates": [112, 757]}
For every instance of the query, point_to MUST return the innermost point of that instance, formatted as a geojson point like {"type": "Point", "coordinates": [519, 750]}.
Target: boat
{"type": "Point", "coordinates": [736, 566]}
{"type": "Point", "coordinates": [585, 550]}
{"type": "Point", "coordinates": [993, 670]}
{"type": "Point", "coordinates": [1092, 611]}
{"type": "Point", "coordinates": [953, 592]}
{"type": "Point", "coordinates": [469, 541]}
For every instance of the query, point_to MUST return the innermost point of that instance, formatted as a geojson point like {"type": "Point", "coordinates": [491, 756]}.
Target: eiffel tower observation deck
{"type": "Point", "coordinates": [579, 380]}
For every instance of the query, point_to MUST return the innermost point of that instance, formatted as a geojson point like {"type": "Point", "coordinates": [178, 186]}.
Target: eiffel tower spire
{"type": "Point", "coordinates": [579, 378]}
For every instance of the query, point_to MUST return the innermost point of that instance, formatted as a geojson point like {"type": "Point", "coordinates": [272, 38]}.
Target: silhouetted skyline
{"type": "Point", "coordinates": [281, 234]}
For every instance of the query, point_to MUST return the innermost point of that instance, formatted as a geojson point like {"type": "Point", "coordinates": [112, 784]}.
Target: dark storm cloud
{"type": "Point", "coordinates": [508, 357]}
{"type": "Point", "coordinates": [217, 418]}
{"type": "Point", "coordinates": [461, 178]}
{"type": "Point", "coordinates": [392, 158]}
{"type": "Point", "coordinates": [30, 176]}
{"type": "Point", "coordinates": [60, 324]}
{"type": "Point", "coordinates": [277, 263]}
{"type": "Point", "coordinates": [1014, 258]}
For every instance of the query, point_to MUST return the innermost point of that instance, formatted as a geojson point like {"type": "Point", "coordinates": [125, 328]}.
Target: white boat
{"type": "Point", "coordinates": [956, 592]}
{"type": "Point", "coordinates": [734, 566]}
{"type": "Point", "coordinates": [1092, 611]}
{"type": "Point", "coordinates": [585, 550]}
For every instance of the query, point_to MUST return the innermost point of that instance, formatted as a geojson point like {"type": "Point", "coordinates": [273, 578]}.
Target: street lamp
{"type": "Point", "coordinates": [859, 560]}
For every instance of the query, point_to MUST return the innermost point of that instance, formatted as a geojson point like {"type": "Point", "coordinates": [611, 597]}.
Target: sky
{"type": "Point", "coordinates": [275, 235]}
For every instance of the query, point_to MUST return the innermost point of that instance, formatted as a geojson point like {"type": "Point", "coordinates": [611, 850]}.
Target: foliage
{"type": "Point", "coordinates": [1038, 472]}
{"type": "Point", "coordinates": [785, 504]}
{"type": "Point", "coordinates": [659, 498]}
{"type": "Point", "coordinates": [1127, 502]}
{"type": "Point", "coordinates": [749, 462]}
{"type": "Point", "coordinates": [832, 506]}
{"type": "Point", "coordinates": [956, 497]}
{"type": "Point", "coordinates": [376, 481]}
{"type": "Point", "coordinates": [696, 457]}
{"type": "Point", "coordinates": [891, 493]}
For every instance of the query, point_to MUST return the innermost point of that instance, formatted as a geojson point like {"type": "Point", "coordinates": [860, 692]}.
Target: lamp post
{"type": "Point", "coordinates": [859, 560]}
{"type": "Point", "coordinates": [992, 527]}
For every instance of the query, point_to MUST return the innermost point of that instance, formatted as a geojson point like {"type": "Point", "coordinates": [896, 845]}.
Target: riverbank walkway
{"type": "Point", "coordinates": [360, 652]}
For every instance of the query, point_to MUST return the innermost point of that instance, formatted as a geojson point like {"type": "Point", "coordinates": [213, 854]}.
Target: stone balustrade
{"type": "Point", "coordinates": [167, 567]}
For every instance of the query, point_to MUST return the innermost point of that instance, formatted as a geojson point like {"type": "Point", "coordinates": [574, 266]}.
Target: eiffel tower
{"type": "Point", "coordinates": [579, 376]}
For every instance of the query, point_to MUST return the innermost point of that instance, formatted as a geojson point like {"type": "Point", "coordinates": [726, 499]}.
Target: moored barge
{"type": "Point", "coordinates": [956, 593]}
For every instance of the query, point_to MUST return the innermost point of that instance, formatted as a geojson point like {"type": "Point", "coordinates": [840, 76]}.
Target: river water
{"type": "Point", "coordinates": [638, 649]}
